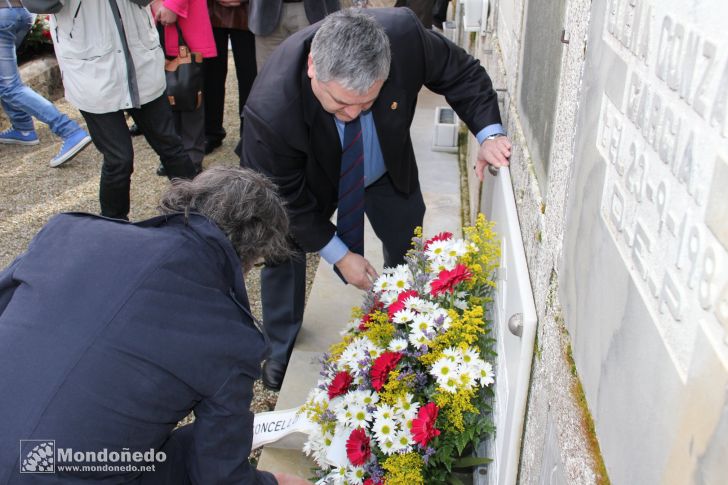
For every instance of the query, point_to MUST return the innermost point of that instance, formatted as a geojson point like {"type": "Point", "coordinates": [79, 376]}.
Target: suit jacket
{"type": "Point", "coordinates": [112, 332]}
{"type": "Point", "coordinates": [289, 137]}
{"type": "Point", "coordinates": [265, 15]}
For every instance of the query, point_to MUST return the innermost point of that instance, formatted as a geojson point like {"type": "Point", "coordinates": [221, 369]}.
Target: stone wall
{"type": "Point", "coordinates": [619, 171]}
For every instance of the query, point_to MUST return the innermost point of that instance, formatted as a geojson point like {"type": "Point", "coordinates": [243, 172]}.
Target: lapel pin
{"type": "Point", "coordinates": [394, 105]}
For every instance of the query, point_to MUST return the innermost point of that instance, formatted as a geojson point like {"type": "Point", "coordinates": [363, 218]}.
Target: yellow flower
{"type": "Point", "coordinates": [404, 469]}
{"type": "Point", "coordinates": [381, 330]}
{"type": "Point", "coordinates": [396, 388]}
{"type": "Point", "coordinates": [453, 406]}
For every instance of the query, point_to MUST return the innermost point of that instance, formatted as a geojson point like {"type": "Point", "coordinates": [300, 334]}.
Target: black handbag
{"type": "Point", "coordinates": [184, 78]}
{"type": "Point", "coordinates": [43, 6]}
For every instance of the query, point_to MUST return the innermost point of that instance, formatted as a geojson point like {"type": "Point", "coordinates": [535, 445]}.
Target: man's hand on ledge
{"type": "Point", "coordinates": [357, 271]}
{"type": "Point", "coordinates": [493, 151]}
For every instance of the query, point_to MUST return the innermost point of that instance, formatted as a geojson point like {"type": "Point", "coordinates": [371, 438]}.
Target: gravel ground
{"type": "Point", "coordinates": [32, 192]}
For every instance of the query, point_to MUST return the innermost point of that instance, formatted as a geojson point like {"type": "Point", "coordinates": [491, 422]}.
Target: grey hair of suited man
{"type": "Point", "coordinates": [352, 49]}
{"type": "Point", "coordinates": [244, 204]}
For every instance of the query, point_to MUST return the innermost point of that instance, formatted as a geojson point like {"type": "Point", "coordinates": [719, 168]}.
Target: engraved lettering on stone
{"type": "Point", "coordinates": [705, 285]}
{"type": "Point", "coordinates": [700, 103]}
{"type": "Point", "coordinates": [671, 296]}
{"type": "Point", "coordinates": [617, 212]}
{"type": "Point", "coordinates": [693, 246]}
{"type": "Point", "coordinates": [628, 24]}
{"type": "Point", "coordinates": [668, 137]}
{"type": "Point", "coordinates": [661, 203]}
{"type": "Point", "coordinates": [688, 67]}
{"type": "Point", "coordinates": [674, 109]}
{"type": "Point", "coordinates": [687, 170]}
{"type": "Point", "coordinates": [718, 116]}
{"type": "Point", "coordinates": [636, 173]}
{"type": "Point", "coordinates": [654, 124]}
{"type": "Point", "coordinates": [664, 48]}
{"type": "Point", "coordinates": [640, 248]}
{"type": "Point", "coordinates": [674, 73]}
{"type": "Point", "coordinates": [614, 142]}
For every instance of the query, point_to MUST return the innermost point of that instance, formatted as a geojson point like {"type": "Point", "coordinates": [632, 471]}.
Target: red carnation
{"type": "Point", "coordinates": [423, 426]}
{"type": "Point", "coordinates": [357, 447]}
{"type": "Point", "coordinates": [371, 481]}
{"type": "Point", "coordinates": [381, 368]}
{"type": "Point", "coordinates": [443, 236]}
{"type": "Point", "coordinates": [399, 304]}
{"type": "Point", "coordinates": [448, 280]}
{"type": "Point", "coordinates": [340, 384]}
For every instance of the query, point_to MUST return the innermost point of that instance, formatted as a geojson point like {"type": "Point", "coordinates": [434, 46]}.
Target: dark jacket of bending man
{"type": "Point", "coordinates": [112, 332]}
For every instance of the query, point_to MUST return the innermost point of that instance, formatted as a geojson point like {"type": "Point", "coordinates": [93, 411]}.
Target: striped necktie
{"type": "Point", "coordinates": [350, 215]}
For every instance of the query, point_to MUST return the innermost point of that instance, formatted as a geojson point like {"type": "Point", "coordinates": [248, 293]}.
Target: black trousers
{"type": "Point", "coordinates": [216, 68]}
{"type": "Point", "coordinates": [393, 216]}
{"type": "Point", "coordinates": [111, 137]}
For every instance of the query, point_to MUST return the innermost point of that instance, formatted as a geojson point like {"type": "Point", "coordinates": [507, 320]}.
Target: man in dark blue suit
{"type": "Point", "coordinates": [111, 333]}
{"type": "Point", "coordinates": [356, 72]}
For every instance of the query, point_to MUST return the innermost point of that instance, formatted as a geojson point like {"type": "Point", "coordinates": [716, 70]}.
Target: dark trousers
{"type": "Point", "coordinates": [215, 69]}
{"type": "Point", "coordinates": [111, 137]}
{"type": "Point", "coordinates": [393, 216]}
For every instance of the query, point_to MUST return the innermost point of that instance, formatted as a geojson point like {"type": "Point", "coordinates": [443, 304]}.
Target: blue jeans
{"type": "Point", "coordinates": [20, 102]}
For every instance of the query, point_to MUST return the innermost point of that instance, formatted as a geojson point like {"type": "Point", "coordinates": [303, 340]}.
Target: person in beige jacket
{"type": "Point", "coordinates": [111, 62]}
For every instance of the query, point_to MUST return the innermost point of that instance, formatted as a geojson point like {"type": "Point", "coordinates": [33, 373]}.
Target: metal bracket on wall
{"type": "Point", "coordinates": [564, 39]}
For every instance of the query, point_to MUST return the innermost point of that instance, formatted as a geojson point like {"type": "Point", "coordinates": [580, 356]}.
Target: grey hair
{"type": "Point", "coordinates": [352, 49]}
{"type": "Point", "coordinates": [242, 203]}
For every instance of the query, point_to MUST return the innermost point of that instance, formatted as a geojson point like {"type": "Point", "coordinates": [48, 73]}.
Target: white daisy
{"type": "Point", "coordinates": [452, 354]}
{"type": "Point", "coordinates": [388, 297]}
{"type": "Point", "coordinates": [449, 384]}
{"type": "Point", "coordinates": [470, 356]}
{"type": "Point", "coordinates": [339, 475]}
{"type": "Point", "coordinates": [423, 323]}
{"type": "Point", "coordinates": [384, 429]}
{"type": "Point", "coordinates": [457, 248]}
{"type": "Point", "coordinates": [370, 397]}
{"type": "Point", "coordinates": [485, 374]}
{"type": "Point", "coordinates": [401, 278]}
{"type": "Point", "coordinates": [467, 378]}
{"type": "Point", "coordinates": [404, 316]}
{"type": "Point", "coordinates": [383, 283]}
{"type": "Point", "coordinates": [437, 249]}
{"type": "Point", "coordinates": [397, 345]}
{"type": "Point", "coordinates": [387, 446]}
{"type": "Point", "coordinates": [443, 368]}
{"type": "Point", "coordinates": [360, 417]}
{"type": "Point", "coordinates": [418, 339]}
{"type": "Point", "coordinates": [355, 475]}
{"type": "Point", "coordinates": [403, 442]}
{"type": "Point", "coordinates": [384, 411]}
{"type": "Point", "coordinates": [415, 303]}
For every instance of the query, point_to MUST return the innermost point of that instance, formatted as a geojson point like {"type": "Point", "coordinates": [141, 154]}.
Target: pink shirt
{"type": "Point", "coordinates": [194, 21]}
